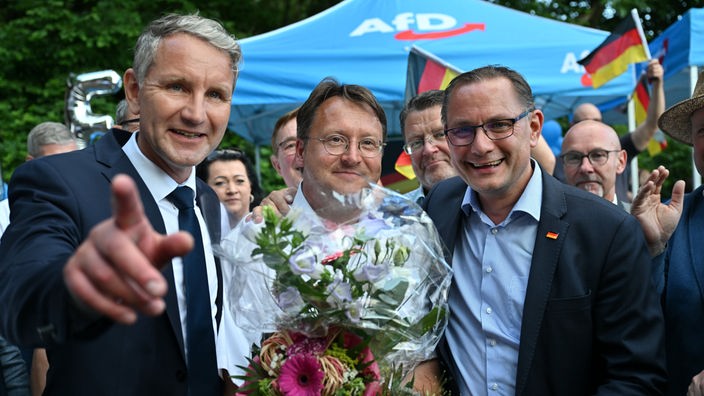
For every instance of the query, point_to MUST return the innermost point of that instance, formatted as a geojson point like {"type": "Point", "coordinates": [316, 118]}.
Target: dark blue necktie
{"type": "Point", "coordinates": [203, 376]}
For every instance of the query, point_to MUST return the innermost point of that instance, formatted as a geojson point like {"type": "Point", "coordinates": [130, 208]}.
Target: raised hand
{"type": "Point", "coordinates": [658, 220]}
{"type": "Point", "coordinates": [655, 70]}
{"type": "Point", "coordinates": [115, 271]}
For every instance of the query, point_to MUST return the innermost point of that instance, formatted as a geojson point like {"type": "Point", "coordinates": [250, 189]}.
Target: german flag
{"type": "Point", "coordinates": [404, 167]}
{"type": "Point", "coordinates": [426, 72]}
{"type": "Point", "coordinates": [657, 144]}
{"type": "Point", "coordinates": [624, 46]}
{"type": "Point", "coordinates": [641, 99]}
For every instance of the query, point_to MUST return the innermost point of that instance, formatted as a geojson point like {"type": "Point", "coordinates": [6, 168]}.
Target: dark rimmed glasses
{"type": "Point", "coordinates": [494, 130]}
{"type": "Point", "coordinates": [573, 159]}
{"type": "Point", "coordinates": [338, 145]}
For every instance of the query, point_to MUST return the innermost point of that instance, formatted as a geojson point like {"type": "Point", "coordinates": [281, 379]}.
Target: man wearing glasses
{"type": "Point", "coordinates": [283, 143]}
{"type": "Point", "coordinates": [341, 136]}
{"type": "Point", "coordinates": [637, 140]}
{"type": "Point", "coordinates": [549, 295]}
{"type": "Point", "coordinates": [424, 135]}
{"type": "Point", "coordinates": [592, 158]}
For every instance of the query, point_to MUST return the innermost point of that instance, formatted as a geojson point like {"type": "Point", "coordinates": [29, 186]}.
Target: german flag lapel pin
{"type": "Point", "coordinates": [552, 235]}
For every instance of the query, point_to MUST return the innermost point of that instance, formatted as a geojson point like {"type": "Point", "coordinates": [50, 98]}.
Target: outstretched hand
{"type": "Point", "coordinates": [115, 271]}
{"type": "Point", "coordinates": [658, 220]}
{"type": "Point", "coordinates": [696, 387]}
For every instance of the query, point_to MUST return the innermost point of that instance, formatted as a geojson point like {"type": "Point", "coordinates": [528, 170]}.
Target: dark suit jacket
{"type": "Point", "coordinates": [55, 202]}
{"type": "Point", "coordinates": [591, 320]}
{"type": "Point", "coordinates": [680, 272]}
{"type": "Point", "coordinates": [14, 379]}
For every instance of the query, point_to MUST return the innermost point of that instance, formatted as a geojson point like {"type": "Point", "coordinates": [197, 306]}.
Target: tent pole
{"type": "Point", "coordinates": [634, 162]}
{"type": "Point", "coordinates": [696, 177]}
{"type": "Point", "coordinates": [257, 162]}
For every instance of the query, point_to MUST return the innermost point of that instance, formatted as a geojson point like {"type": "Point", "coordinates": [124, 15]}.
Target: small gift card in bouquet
{"type": "Point", "coordinates": [349, 307]}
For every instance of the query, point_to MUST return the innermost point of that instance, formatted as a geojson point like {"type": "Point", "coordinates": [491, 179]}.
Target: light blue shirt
{"type": "Point", "coordinates": [491, 264]}
{"type": "Point", "coordinates": [416, 195]}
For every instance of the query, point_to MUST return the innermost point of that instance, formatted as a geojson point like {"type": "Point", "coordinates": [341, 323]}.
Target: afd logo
{"type": "Point", "coordinates": [429, 26]}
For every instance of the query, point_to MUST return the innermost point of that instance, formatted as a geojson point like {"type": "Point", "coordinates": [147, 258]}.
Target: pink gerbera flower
{"type": "Point", "coordinates": [331, 258]}
{"type": "Point", "coordinates": [301, 375]}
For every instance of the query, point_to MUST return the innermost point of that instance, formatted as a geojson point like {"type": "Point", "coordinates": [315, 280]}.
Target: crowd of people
{"type": "Point", "coordinates": [562, 285]}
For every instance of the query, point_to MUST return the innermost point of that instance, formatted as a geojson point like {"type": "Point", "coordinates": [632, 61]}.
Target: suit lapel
{"type": "Point", "coordinates": [546, 252]}
{"type": "Point", "coordinates": [453, 229]}
{"type": "Point", "coordinates": [446, 212]}
{"type": "Point", "coordinates": [209, 205]}
{"type": "Point", "coordinates": [108, 151]}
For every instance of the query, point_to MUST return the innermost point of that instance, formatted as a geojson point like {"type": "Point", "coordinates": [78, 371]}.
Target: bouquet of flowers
{"type": "Point", "coordinates": [350, 308]}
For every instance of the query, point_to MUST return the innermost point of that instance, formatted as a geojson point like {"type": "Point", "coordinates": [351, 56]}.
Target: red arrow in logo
{"type": "Point", "coordinates": [411, 35]}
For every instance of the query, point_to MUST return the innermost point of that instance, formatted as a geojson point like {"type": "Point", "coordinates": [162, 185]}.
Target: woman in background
{"type": "Point", "coordinates": [231, 174]}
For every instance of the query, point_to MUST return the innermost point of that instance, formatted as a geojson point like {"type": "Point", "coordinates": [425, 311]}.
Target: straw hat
{"type": "Point", "coordinates": [676, 121]}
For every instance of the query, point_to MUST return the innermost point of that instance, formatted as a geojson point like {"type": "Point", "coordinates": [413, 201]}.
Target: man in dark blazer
{"type": "Point", "coordinates": [550, 293]}
{"type": "Point", "coordinates": [99, 286]}
{"type": "Point", "coordinates": [675, 232]}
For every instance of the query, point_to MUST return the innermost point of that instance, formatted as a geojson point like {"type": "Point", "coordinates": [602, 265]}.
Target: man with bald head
{"type": "Point", "coordinates": [592, 158]}
{"type": "Point", "coordinates": [586, 111]}
{"type": "Point", "coordinates": [637, 140]}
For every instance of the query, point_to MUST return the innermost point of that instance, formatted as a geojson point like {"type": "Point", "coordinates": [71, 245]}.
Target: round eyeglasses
{"type": "Point", "coordinates": [573, 159]}
{"type": "Point", "coordinates": [494, 130]}
{"type": "Point", "coordinates": [338, 145]}
{"type": "Point", "coordinates": [418, 144]}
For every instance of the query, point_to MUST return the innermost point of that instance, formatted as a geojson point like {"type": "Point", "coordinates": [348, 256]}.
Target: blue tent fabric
{"type": "Point", "coordinates": [680, 46]}
{"type": "Point", "coordinates": [367, 42]}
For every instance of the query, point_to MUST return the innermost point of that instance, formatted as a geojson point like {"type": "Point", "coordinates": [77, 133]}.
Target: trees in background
{"type": "Point", "coordinates": [45, 40]}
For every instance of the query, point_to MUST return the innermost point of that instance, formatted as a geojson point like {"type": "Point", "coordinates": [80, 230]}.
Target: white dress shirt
{"type": "Point", "coordinates": [232, 344]}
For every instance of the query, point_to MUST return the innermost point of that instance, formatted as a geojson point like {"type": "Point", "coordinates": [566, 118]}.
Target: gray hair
{"type": "Point", "coordinates": [121, 112]}
{"type": "Point", "coordinates": [48, 133]}
{"type": "Point", "coordinates": [206, 29]}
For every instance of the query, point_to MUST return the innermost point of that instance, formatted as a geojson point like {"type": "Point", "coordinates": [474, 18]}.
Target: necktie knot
{"type": "Point", "coordinates": [182, 197]}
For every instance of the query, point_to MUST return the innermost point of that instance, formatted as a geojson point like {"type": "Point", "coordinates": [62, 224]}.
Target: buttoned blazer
{"type": "Point", "coordinates": [591, 322]}
{"type": "Point", "coordinates": [679, 273]}
{"type": "Point", "coordinates": [55, 202]}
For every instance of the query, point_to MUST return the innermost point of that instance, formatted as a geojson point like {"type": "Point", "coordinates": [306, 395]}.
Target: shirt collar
{"type": "Point", "coordinates": [615, 200]}
{"type": "Point", "coordinates": [159, 183]}
{"type": "Point", "coordinates": [529, 202]}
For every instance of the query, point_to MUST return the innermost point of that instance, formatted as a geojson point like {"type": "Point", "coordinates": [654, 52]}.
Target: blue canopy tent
{"type": "Point", "coordinates": [681, 50]}
{"type": "Point", "coordinates": [367, 42]}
